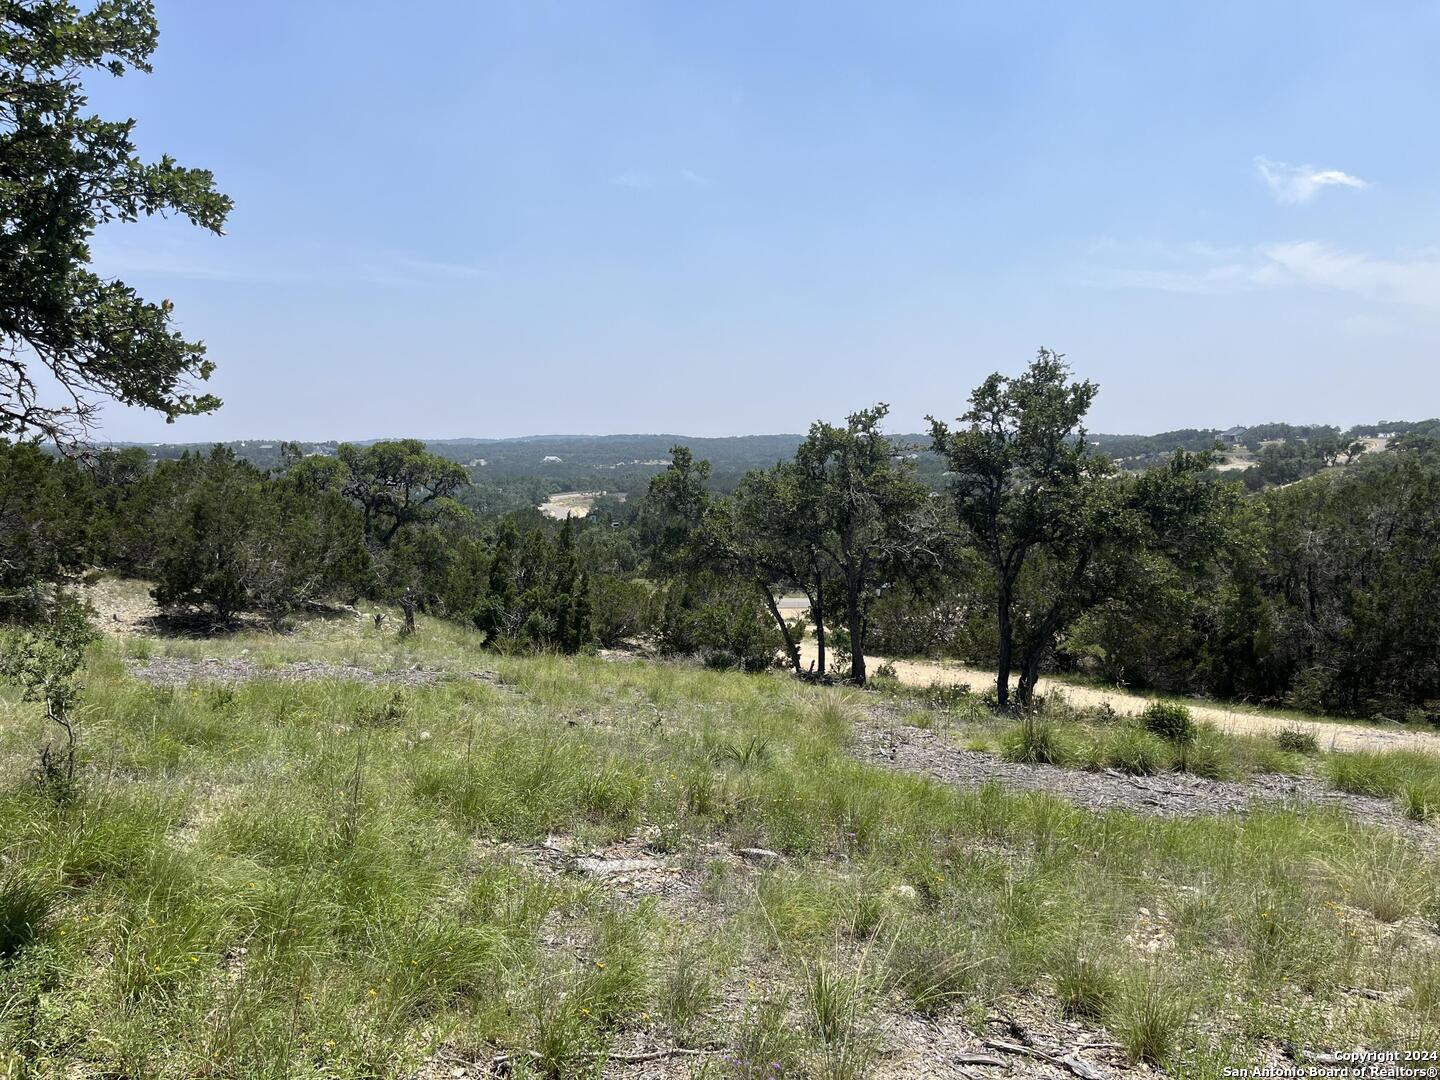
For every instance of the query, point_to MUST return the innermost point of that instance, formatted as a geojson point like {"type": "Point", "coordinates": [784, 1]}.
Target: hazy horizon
{"type": "Point", "coordinates": [660, 434]}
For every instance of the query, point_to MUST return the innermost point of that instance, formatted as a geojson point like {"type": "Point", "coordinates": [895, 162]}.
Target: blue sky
{"type": "Point", "coordinates": [459, 218]}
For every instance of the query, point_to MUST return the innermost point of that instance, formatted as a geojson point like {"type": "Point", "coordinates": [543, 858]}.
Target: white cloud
{"type": "Point", "coordinates": [1300, 183]}
{"type": "Point", "coordinates": [1412, 280]}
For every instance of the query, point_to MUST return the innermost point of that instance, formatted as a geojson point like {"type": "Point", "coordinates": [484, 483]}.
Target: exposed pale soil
{"type": "Point", "coordinates": [1330, 735]}
{"type": "Point", "coordinates": [575, 503]}
{"type": "Point", "coordinates": [178, 671]}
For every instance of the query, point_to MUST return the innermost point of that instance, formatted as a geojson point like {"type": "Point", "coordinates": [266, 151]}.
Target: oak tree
{"type": "Point", "coordinates": [69, 337]}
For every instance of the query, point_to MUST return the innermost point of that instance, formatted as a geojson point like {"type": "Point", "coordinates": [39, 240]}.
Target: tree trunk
{"type": "Point", "coordinates": [817, 616]}
{"type": "Point", "coordinates": [792, 650]}
{"type": "Point", "coordinates": [857, 633]}
{"type": "Point", "coordinates": [1042, 639]}
{"type": "Point", "coordinates": [1002, 662]}
{"type": "Point", "coordinates": [1029, 676]}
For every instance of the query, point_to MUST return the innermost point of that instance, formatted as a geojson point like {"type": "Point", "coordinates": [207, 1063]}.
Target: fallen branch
{"type": "Point", "coordinates": [978, 1059]}
{"type": "Point", "coordinates": [1071, 1062]}
{"type": "Point", "coordinates": [502, 1062]}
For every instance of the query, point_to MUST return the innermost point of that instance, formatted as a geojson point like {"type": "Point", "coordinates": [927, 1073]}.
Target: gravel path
{"type": "Point", "coordinates": [917, 750]}
{"type": "Point", "coordinates": [1330, 735]}
{"type": "Point", "coordinates": [177, 671]}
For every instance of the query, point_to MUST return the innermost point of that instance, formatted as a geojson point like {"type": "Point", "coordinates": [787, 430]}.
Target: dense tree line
{"type": "Point", "coordinates": [1034, 553]}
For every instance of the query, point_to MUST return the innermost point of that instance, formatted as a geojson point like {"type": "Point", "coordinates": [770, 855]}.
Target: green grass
{"type": "Point", "coordinates": [285, 879]}
{"type": "Point", "coordinates": [1409, 777]}
{"type": "Point", "coordinates": [1035, 740]}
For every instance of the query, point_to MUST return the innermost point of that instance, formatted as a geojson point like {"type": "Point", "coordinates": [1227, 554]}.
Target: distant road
{"type": "Point", "coordinates": [1331, 735]}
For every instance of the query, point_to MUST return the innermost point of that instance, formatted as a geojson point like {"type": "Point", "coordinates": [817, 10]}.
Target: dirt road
{"type": "Point", "coordinates": [1330, 736]}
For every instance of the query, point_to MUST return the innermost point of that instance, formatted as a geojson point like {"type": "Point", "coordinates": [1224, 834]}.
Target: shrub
{"type": "Point", "coordinates": [720, 621]}
{"type": "Point", "coordinates": [45, 664]}
{"type": "Point", "coordinates": [1296, 741]}
{"type": "Point", "coordinates": [1169, 720]}
{"type": "Point", "coordinates": [1034, 741]}
{"type": "Point", "coordinates": [620, 609]}
{"type": "Point", "coordinates": [392, 710]}
{"type": "Point", "coordinates": [1135, 751]}
{"type": "Point", "coordinates": [753, 751]}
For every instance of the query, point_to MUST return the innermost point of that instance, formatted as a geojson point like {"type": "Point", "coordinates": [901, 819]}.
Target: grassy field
{"type": "Point", "coordinates": [570, 867]}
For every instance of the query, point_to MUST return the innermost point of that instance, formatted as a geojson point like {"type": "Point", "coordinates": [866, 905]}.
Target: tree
{"type": "Point", "coordinates": [399, 483]}
{"type": "Point", "coordinates": [860, 517]}
{"type": "Point", "coordinates": [402, 490]}
{"type": "Point", "coordinates": [1061, 532]}
{"type": "Point", "coordinates": [47, 513]}
{"type": "Point", "coordinates": [536, 591]}
{"type": "Point", "coordinates": [303, 547]}
{"type": "Point", "coordinates": [673, 514]}
{"type": "Point", "coordinates": [495, 616]}
{"type": "Point", "coordinates": [229, 539]}
{"type": "Point", "coordinates": [1351, 570]}
{"type": "Point", "coordinates": [750, 534]}
{"type": "Point", "coordinates": [759, 528]}
{"type": "Point", "coordinates": [64, 172]}
{"type": "Point", "coordinates": [202, 558]}
{"type": "Point", "coordinates": [1023, 480]}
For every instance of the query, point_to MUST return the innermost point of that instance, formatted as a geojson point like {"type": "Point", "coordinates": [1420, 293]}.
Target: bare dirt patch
{"type": "Point", "coordinates": [1024, 1035]}
{"type": "Point", "coordinates": [177, 671]}
{"type": "Point", "coordinates": [1329, 735]}
{"type": "Point", "coordinates": [569, 503]}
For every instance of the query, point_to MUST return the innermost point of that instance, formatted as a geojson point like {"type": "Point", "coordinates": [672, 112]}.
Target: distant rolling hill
{"type": "Point", "coordinates": [625, 463]}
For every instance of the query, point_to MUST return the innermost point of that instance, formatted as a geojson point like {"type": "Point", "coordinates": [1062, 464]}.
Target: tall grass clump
{"type": "Point", "coordinates": [1294, 740]}
{"type": "Point", "coordinates": [1206, 755]}
{"type": "Point", "coordinates": [25, 907]}
{"type": "Point", "coordinates": [1087, 986]}
{"type": "Point", "coordinates": [1411, 777]}
{"type": "Point", "coordinates": [933, 963]}
{"type": "Point", "coordinates": [837, 1012]}
{"type": "Point", "coordinates": [1150, 1019]}
{"type": "Point", "coordinates": [1386, 879]}
{"type": "Point", "coordinates": [764, 1045]}
{"type": "Point", "coordinates": [1034, 741]}
{"type": "Point", "coordinates": [1135, 751]}
{"type": "Point", "coordinates": [689, 989]}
